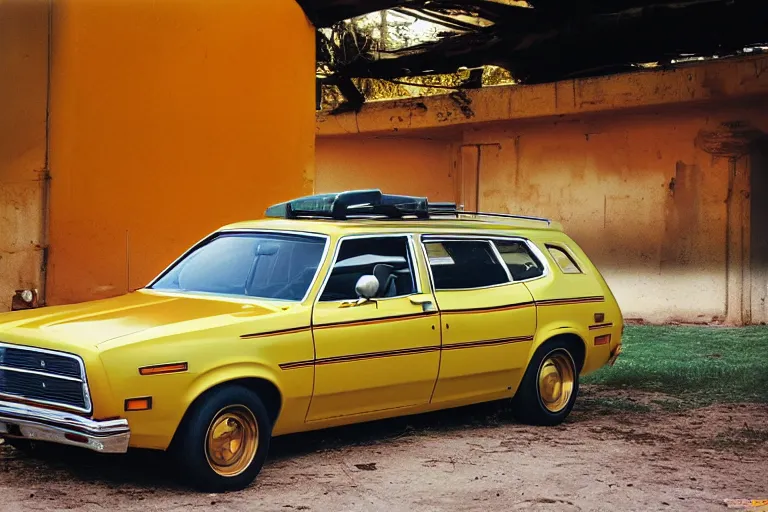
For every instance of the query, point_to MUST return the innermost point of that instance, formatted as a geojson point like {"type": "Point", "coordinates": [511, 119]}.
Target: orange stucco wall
{"type": "Point", "coordinates": [169, 119]}
{"type": "Point", "coordinates": [635, 191]}
{"type": "Point", "coordinates": [425, 164]}
{"type": "Point", "coordinates": [23, 83]}
{"type": "Point", "coordinates": [618, 160]}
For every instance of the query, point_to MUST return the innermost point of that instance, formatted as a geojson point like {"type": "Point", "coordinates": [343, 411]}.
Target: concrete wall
{"type": "Point", "coordinates": [23, 86]}
{"type": "Point", "coordinates": [169, 119]}
{"type": "Point", "coordinates": [425, 164]}
{"type": "Point", "coordinates": [651, 173]}
{"type": "Point", "coordinates": [647, 205]}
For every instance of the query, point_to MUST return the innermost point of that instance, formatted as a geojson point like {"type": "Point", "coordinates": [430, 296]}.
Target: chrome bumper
{"type": "Point", "coordinates": [38, 424]}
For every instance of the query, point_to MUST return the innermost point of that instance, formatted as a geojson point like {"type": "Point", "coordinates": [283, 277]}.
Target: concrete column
{"type": "Point", "coordinates": [738, 242]}
{"type": "Point", "coordinates": [23, 103]}
{"type": "Point", "coordinates": [467, 178]}
{"type": "Point", "coordinates": [759, 232]}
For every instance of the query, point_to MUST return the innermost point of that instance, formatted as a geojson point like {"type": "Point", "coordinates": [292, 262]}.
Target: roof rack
{"type": "Point", "coordinates": [456, 212]}
{"type": "Point", "coordinates": [361, 204]}
{"type": "Point", "coordinates": [352, 204]}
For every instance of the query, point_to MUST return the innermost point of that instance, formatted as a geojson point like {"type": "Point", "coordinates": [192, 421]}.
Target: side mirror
{"type": "Point", "coordinates": [367, 287]}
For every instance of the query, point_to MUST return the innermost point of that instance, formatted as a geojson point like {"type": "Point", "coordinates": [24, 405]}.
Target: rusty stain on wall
{"type": "Point", "coordinates": [681, 214]}
{"type": "Point", "coordinates": [731, 139]}
{"type": "Point", "coordinates": [464, 103]}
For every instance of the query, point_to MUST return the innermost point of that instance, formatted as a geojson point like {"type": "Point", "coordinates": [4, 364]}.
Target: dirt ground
{"type": "Point", "coordinates": [613, 454]}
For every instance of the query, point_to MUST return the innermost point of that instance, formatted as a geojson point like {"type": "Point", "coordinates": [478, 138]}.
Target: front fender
{"type": "Point", "coordinates": [174, 393]}
{"type": "Point", "coordinates": [294, 387]}
{"type": "Point", "coordinates": [228, 373]}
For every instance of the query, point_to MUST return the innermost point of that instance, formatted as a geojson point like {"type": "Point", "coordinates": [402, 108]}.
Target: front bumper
{"type": "Point", "coordinates": [38, 424]}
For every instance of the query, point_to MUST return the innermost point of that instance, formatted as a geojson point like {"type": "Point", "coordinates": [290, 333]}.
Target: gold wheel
{"type": "Point", "coordinates": [556, 381]}
{"type": "Point", "coordinates": [232, 440]}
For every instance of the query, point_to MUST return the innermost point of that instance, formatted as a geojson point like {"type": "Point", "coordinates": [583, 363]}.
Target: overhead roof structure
{"type": "Point", "coordinates": [548, 40]}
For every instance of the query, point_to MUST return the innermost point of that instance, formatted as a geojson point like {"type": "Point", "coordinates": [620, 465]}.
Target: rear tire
{"type": "Point", "coordinates": [549, 387]}
{"type": "Point", "coordinates": [223, 441]}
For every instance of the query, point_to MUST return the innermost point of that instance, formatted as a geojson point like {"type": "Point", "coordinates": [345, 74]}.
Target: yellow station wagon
{"type": "Point", "coordinates": [336, 309]}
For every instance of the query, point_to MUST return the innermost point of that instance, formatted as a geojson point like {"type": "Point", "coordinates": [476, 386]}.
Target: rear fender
{"type": "Point", "coordinates": [548, 331]}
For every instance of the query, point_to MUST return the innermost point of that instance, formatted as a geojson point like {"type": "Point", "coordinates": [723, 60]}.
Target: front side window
{"type": "Point", "coordinates": [464, 264]}
{"type": "Point", "coordinates": [519, 259]}
{"type": "Point", "coordinates": [386, 258]}
{"type": "Point", "coordinates": [261, 265]}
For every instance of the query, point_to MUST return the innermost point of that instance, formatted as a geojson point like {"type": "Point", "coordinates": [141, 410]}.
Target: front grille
{"type": "Point", "coordinates": [46, 377]}
{"type": "Point", "coordinates": [40, 361]}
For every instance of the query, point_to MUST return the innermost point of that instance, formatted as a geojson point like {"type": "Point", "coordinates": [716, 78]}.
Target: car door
{"type": "Point", "coordinates": [488, 319]}
{"type": "Point", "coordinates": [376, 355]}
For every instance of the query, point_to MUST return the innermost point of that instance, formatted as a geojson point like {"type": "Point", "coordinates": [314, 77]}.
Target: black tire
{"type": "Point", "coordinates": [528, 405]}
{"type": "Point", "coordinates": [190, 447]}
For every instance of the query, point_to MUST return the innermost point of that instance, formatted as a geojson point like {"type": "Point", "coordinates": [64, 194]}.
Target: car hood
{"type": "Point", "coordinates": [92, 323]}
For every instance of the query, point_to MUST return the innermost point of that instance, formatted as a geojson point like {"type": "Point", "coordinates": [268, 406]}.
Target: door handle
{"type": "Point", "coordinates": [425, 301]}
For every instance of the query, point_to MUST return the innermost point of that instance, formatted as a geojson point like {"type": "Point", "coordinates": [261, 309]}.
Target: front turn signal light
{"type": "Point", "coordinates": [138, 404]}
{"type": "Point", "coordinates": [163, 368]}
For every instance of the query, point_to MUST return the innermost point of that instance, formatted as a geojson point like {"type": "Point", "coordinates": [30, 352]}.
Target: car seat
{"type": "Point", "coordinates": [385, 275]}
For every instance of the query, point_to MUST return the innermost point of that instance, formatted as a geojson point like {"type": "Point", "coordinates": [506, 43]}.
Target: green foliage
{"type": "Point", "coordinates": [701, 364]}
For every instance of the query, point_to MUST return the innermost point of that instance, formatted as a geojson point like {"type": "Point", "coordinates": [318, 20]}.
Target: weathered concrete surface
{"type": "Point", "coordinates": [649, 172]}
{"type": "Point", "coordinates": [23, 85]}
{"type": "Point", "coordinates": [716, 80]}
{"type": "Point", "coordinates": [635, 192]}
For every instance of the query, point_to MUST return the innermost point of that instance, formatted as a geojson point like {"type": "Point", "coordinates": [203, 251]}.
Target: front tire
{"type": "Point", "coordinates": [549, 387]}
{"type": "Point", "coordinates": [223, 441]}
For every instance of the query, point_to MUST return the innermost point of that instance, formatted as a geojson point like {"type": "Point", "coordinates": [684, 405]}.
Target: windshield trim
{"type": "Point", "coordinates": [216, 234]}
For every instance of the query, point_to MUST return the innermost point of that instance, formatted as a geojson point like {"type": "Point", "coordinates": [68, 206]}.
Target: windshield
{"type": "Point", "coordinates": [267, 266]}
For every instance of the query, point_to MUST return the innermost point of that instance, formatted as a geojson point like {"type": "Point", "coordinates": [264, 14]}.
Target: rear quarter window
{"type": "Point", "coordinates": [564, 260]}
{"type": "Point", "coordinates": [519, 259]}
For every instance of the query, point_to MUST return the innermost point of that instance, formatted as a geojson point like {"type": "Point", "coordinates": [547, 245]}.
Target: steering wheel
{"type": "Point", "coordinates": [292, 288]}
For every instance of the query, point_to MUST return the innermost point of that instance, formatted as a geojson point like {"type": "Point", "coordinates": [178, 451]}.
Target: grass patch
{"type": "Point", "coordinates": [703, 364]}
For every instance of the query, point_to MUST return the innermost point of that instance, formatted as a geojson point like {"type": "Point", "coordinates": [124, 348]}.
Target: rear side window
{"type": "Point", "coordinates": [458, 265]}
{"type": "Point", "coordinates": [563, 260]}
{"type": "Point", "coordinates": [519, 259]}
